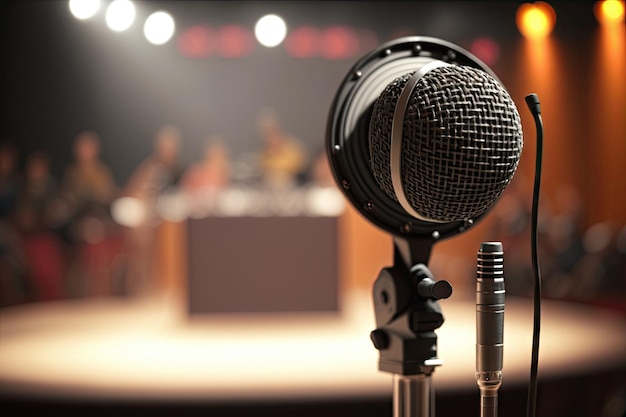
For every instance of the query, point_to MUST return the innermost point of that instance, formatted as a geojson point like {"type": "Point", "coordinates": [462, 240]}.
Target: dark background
{"type": "Point", "coordinates": [60, 75]}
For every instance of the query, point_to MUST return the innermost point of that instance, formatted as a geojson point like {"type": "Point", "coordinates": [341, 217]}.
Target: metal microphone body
{"type": "Point", "coordinates": [490, 293]}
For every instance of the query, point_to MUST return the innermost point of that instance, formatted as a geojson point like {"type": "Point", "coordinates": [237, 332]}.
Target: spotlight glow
{"type": "Point", "coordinates": [609, 11]}
{"type": "Point", "coordinates": [159, 28]}
{"type": "Point", "coordinates": [270, 30]}
{"type": "Point", "coordinates": [84, 9]}
{"type": "Point", "coordinates": [535, 20]}
{"type": "Point", "coordinates": [120, 15]}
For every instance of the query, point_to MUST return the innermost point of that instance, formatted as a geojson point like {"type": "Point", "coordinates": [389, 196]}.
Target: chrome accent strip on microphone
{"type": "Point", "coordinates": [397, 124]}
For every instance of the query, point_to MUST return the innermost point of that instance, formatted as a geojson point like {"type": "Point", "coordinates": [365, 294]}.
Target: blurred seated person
{"type": "Point", "coordinates": [87, 189]}
{"type": "Point", "coordinates": [13, 283]}
{"type": "Point", "coordinates": [35, 196]}
{"type": "Point", "coordinates": [204, 180]}
{"type": "Point", "coordinates": [82, 214]}
{"type": "Point", "coordinates": [155, 176]}
{"type": "Point", "coordinates": [40, 245]}
{"type": "Point", "coordinates": [158, 173]}
{"type": "Point", "coordinates": [321, 173]}
{"type": "Point", "coordinates": [282, 159]}
{"type": "Point", "coordinates": [8, 179]}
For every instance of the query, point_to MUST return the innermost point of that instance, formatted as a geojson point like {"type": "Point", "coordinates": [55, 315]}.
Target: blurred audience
{"type": "Point", "coordinates": [576, 263]}
{"type": "Point", "coordinates": [82, 236]}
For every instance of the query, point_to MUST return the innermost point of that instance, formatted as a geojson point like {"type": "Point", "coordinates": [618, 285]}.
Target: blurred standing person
{"type": "Point", "coordinates": [155, 176]}
{"type": "Point", "coordinates": [82, 212]}
{"type": "Point", "coordinates": [203, 181]}
{"type": "Point", "coordinates": [282, 159]}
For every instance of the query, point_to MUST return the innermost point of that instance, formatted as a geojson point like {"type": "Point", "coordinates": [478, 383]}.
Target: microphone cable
{"type": "Point", "coordinates": [533, 104]}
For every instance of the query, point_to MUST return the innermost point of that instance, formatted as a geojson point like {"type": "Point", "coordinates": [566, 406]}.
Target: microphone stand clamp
{"type": "Point", "coordinates": [407, 314]}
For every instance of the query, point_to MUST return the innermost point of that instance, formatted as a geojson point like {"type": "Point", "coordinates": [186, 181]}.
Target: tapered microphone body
{"type": "Point", "coordinates": [490, 294]}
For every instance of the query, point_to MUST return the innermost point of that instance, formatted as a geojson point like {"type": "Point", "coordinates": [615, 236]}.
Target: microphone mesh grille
{"type": "Point", "coordinates": [461, 142]}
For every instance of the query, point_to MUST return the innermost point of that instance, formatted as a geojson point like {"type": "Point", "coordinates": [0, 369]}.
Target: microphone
{"type": "Point", "coordinates": [444, 141]}
{"type": "Point", "coordinates": [489, 325]}
{"type": "Point", "coordinates": [423, 138]}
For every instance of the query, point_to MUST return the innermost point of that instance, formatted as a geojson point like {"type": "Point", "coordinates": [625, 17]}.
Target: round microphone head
{"type": "Point", "coordinates": [447, 179]}
{"type": "Point", "coordinates": [458, 141]}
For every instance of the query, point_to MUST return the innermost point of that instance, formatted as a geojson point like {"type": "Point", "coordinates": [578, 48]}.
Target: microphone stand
{"type": "Point", "coordinates": [407, 315]}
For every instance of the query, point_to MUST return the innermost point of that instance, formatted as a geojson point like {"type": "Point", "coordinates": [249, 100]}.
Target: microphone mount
{"type": "Point", "coordinates": [405, 298]}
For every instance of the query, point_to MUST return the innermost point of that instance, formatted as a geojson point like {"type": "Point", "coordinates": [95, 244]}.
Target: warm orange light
{"type": "Point", "coordinates": [535, 20]}
{"type": "Point", "coordinates": [609, 11]}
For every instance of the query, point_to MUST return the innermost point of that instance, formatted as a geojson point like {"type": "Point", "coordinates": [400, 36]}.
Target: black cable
{"type": "Point", "coordinates": [533, 105]}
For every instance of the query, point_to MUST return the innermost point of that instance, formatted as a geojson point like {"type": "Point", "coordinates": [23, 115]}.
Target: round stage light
{"type": "Point", "coordinates": [84, 9]}
{"type": "Point", "coordinates": [120, 15]}
{"type": "Point", "coordinates": [609, 11]}
{"type": "Point", "coordinates": [535, 20]}
{"type": "Point", "coordinates": [159, 28]}
{"type": "Point", "coordinates": [270, 30]}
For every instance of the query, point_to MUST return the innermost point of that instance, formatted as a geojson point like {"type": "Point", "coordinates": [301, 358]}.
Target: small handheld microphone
{"type": "Point", "coordinates": [489, 325]}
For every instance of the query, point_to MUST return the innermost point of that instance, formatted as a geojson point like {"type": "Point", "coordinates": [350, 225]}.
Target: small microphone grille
{"type": "Point", "coordinates": [490, 261]}
{"type": "Point", "coordinates": [461, 142]}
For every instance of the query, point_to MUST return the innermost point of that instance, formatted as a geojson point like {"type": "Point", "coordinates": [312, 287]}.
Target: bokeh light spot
{"type": "Point", "coordinates": [486, 49]}
{"type": "Point", "coordinates": [609, 11]}
{"type": "Point", "coordinates": [196, 42]}
{"type": "Point", "coordinates": [120, 15]}
{"type": "Point", "coordinates": [84, 9]}
{"type": "Point", "coordinates": [159, 28]}
{"type": "Point", "coordinates": [535, 20]}
{"type": "Point", "coordinates": [270, 30]}
{"type": "Point", "coordinates": [234, 42]}
{"type": "Point", "coordinates": [303, 42]}
{"type": "Point", "coordinates": [339, 42]}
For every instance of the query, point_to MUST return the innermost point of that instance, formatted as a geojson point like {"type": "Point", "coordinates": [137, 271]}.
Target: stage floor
{"type": "Point", "coordinates": [148, 349]}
